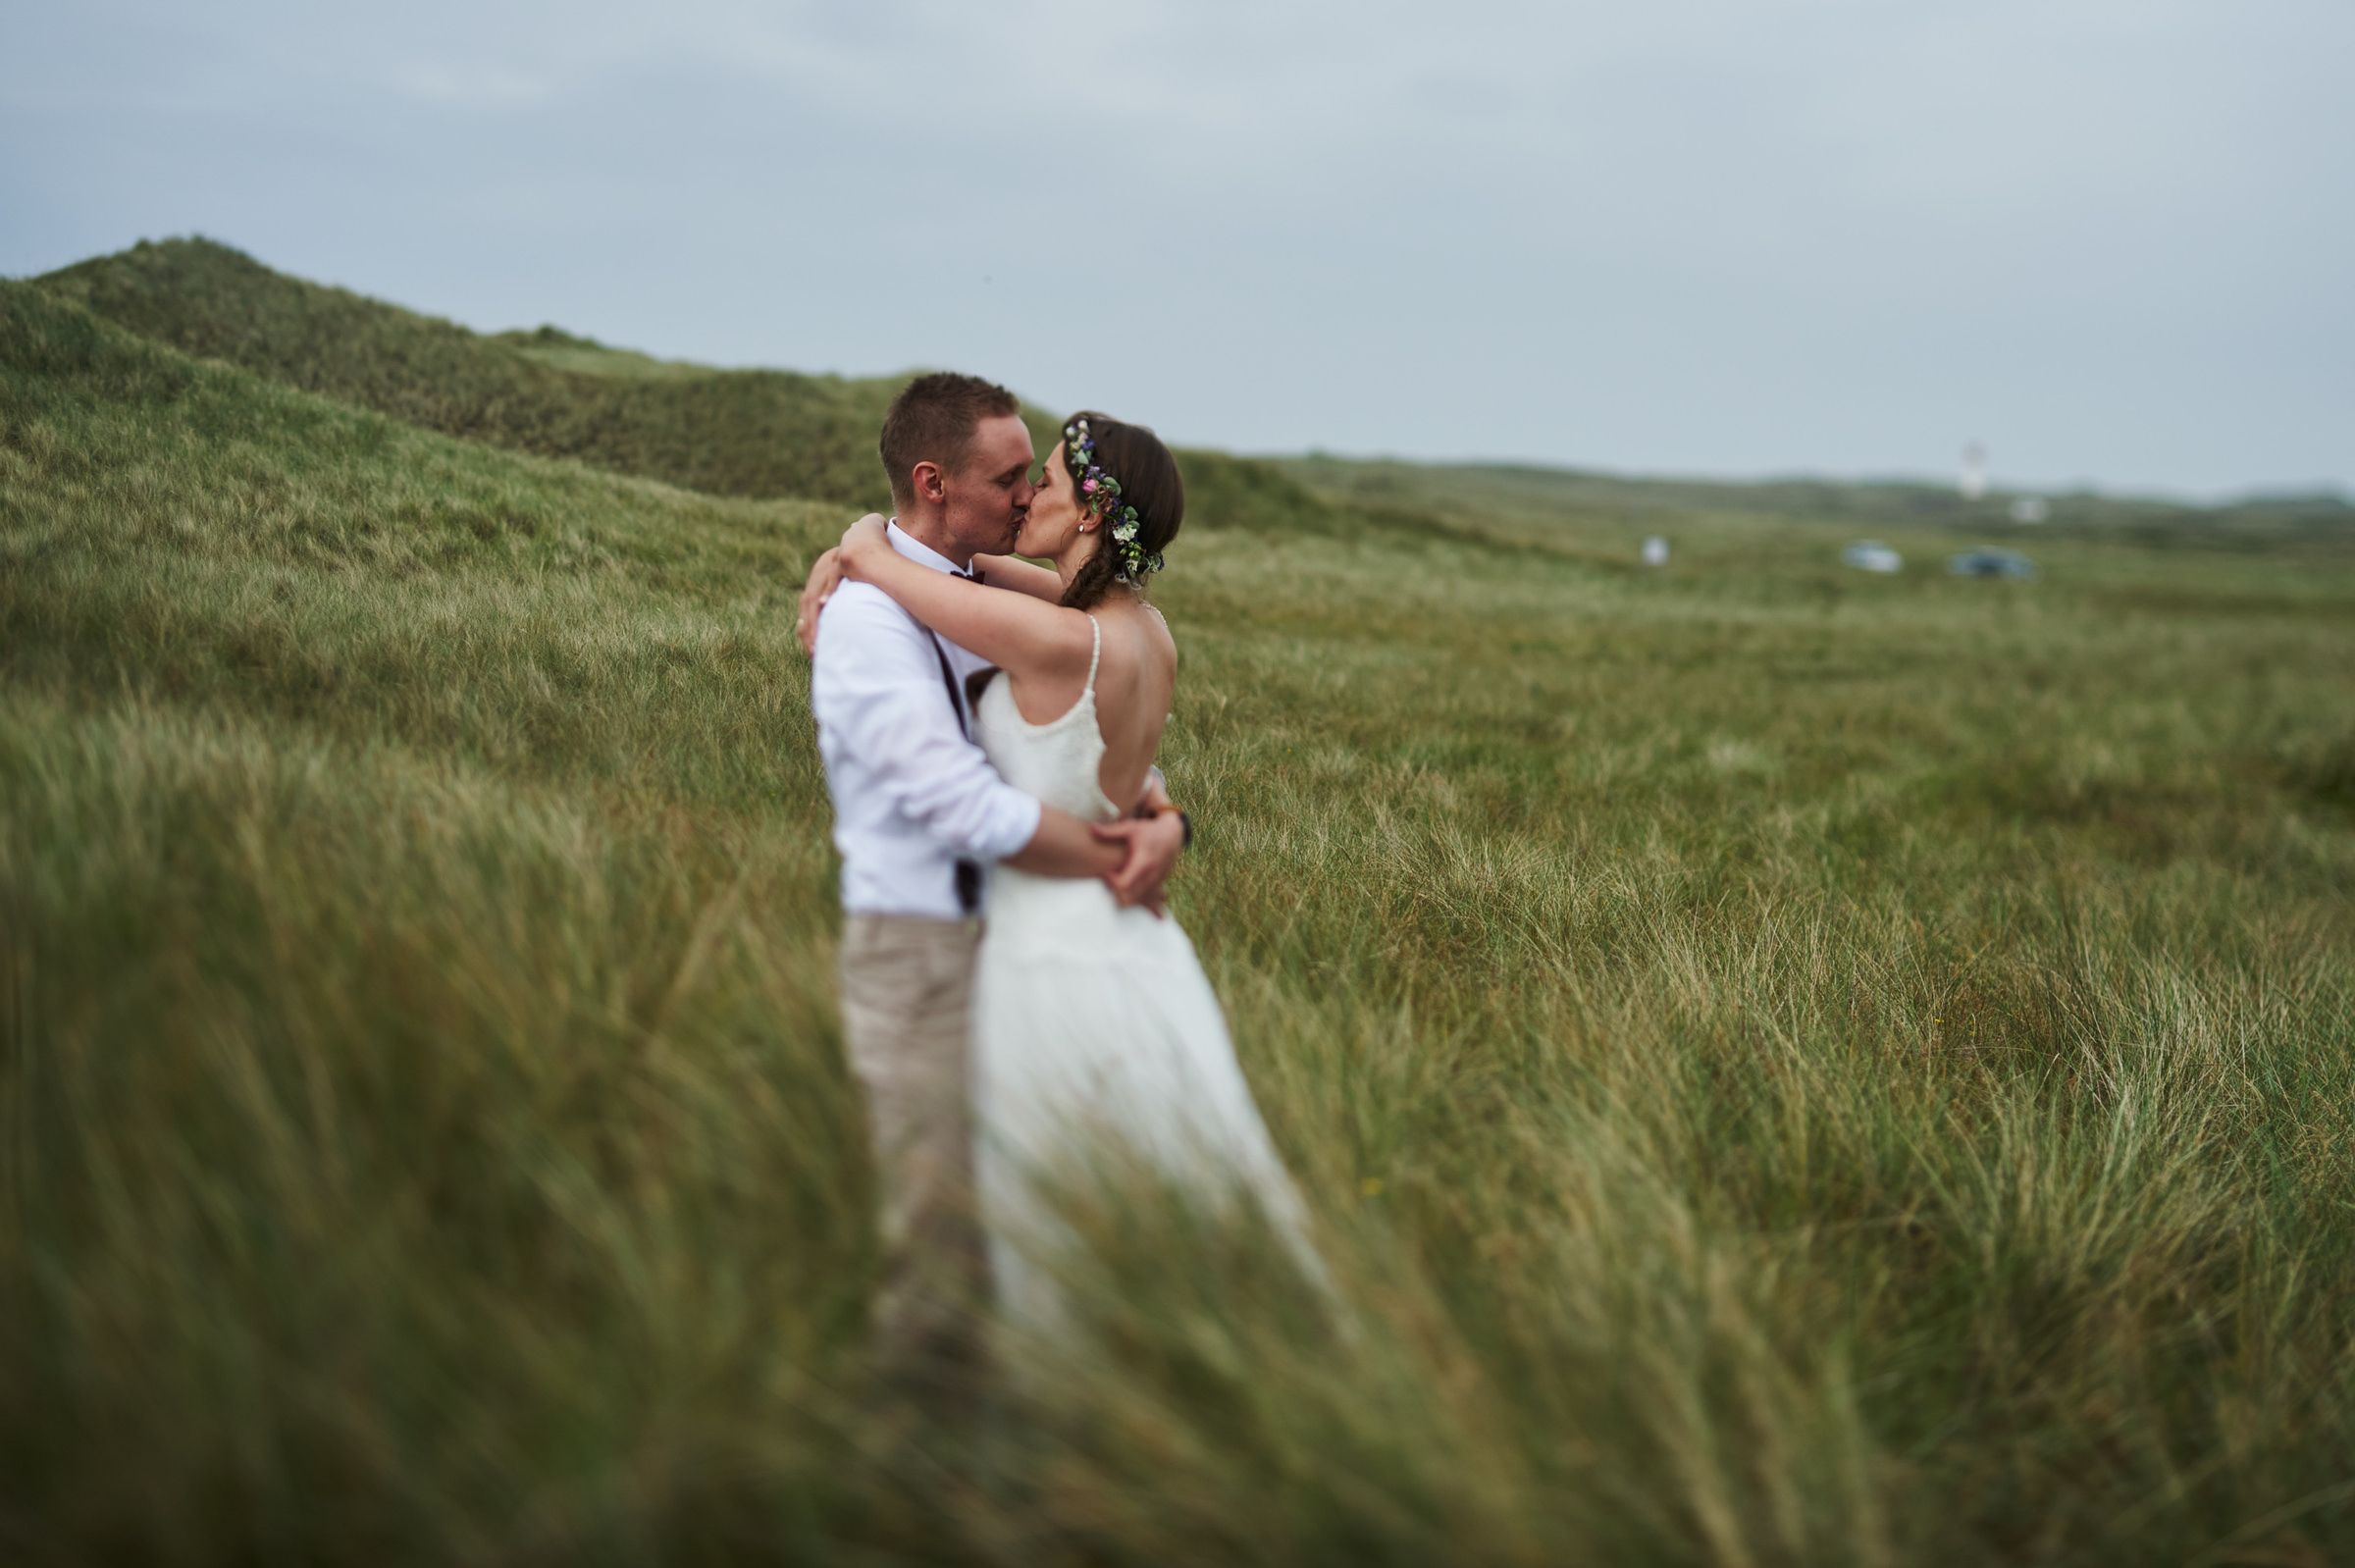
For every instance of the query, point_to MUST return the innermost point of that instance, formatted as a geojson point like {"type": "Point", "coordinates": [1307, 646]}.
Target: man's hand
{"type": "Point", "coordinates": [1152, 844]}
{"type": "Point", "coordinates": [826, 576]}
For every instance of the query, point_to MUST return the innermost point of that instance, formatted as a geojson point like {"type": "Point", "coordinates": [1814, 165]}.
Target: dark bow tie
{"type": "Point", "coordinates": [975, 575]}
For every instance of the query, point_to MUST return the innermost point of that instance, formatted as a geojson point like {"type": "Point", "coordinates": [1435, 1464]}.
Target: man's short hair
{"type": "Point", "coordinates": [932, 421]}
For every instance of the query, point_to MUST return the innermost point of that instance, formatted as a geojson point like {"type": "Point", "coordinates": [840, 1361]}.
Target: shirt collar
{"type": "Point", "coordinates": [917, 551]}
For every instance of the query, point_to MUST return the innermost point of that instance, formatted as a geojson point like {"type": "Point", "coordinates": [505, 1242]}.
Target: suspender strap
{"type": "Point", "coordinates": [969, 873]}
{"type": "Point", "coordinates": [948, 681]}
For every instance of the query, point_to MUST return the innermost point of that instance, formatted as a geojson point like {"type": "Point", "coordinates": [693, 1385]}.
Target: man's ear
{"type": "Point", "coordinates": [931, 483]}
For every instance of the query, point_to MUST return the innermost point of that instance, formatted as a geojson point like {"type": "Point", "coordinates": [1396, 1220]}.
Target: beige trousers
{"type": "Point", "coordinates": [907, 1006]}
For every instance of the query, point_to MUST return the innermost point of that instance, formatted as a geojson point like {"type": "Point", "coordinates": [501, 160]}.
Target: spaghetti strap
{"type": "Point", "coordinates": [1095, 654]}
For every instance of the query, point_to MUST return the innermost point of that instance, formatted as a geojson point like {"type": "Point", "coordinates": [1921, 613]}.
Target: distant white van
{"type": "Point", "coordinates": [1871, 555]}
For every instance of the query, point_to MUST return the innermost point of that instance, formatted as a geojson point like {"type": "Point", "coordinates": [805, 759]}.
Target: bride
{"type": "Point", "coordinates": [1090, 1020]}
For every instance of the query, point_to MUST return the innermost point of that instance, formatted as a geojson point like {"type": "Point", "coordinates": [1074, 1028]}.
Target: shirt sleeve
{"type": "Point", "coordinates": [877, 683]}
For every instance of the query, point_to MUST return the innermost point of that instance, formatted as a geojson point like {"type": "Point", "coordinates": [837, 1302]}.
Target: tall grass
{"type": "Point", "coordinates": [1788, 1068]}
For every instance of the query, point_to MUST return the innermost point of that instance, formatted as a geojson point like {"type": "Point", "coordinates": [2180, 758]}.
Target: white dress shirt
{"type": "Point", "coordinates": [912, 795]}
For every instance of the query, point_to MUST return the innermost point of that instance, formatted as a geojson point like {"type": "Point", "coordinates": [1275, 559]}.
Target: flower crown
{"type": "Point", "coordinates": [1100, 493]}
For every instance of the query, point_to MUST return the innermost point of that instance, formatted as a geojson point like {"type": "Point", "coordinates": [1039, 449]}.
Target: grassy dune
{"type": "Point", "coordinates": [762, 434]}
{"type": "Point", "coordinates": [1789, 1067]}
{"type": "Point", "coordinates": [728, 432]}
{"type": "Point", "coordinates": [1511, 502]}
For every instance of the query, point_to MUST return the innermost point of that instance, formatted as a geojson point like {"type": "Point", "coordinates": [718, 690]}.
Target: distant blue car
{"type": "Point", "coordinates": [1993, 563]}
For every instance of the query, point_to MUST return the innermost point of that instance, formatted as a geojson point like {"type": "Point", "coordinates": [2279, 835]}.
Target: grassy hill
{"type": "Point", "coordinates": [752, 432]}
{"type": "Point", "coordinates": [727, 433]}
{"type": "Point", "coordinates": [1788, 1068]}
{"type": "Point", "coordinates": [776, 432]}
{"type": "Point", "coordinates": [1569, 508]}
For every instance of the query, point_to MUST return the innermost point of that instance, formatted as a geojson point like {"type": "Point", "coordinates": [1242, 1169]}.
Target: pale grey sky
{"type": "Point", "coordinates": [2110, 239]}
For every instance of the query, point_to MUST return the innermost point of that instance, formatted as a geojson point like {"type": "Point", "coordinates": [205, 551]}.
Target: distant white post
{"type": "Point", "coordinates": [1974, 471]}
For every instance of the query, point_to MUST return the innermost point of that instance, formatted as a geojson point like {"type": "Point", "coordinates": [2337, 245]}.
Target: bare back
{"type": "Point", "coordinates": [1136, 678]}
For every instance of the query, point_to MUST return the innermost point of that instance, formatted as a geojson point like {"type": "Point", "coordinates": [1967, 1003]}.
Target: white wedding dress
{"type": "Point", "coordinates": [1095, 1023]}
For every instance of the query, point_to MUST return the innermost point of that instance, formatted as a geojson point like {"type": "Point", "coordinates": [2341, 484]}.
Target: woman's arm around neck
{"type": "Point", "coordinates": [1023, 577]}
{"type": "Point", "coordinates": [1014, 631]}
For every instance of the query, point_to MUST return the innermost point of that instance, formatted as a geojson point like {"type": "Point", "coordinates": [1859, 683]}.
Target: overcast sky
{"type": "Point", "coordinates": [2111, 238]}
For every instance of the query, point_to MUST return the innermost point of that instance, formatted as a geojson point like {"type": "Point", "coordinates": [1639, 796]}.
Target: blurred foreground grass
{"type": "Point", "coordinates": [1791, 1066]}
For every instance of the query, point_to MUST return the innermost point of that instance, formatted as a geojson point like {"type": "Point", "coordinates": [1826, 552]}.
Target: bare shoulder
{"type": "Point", "coordinates": [1143, 636]}
{"type": "Point", "coordinates": [1153, 632]}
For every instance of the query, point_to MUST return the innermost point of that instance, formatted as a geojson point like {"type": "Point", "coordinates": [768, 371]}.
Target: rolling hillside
{"type": "Point", "coordinates": [754, 433]}
{"type": "Point", "coordinates": [725, 432]}
{"type": "Point", "coordinates": [1565, 507]}
{"type": "Point", "coordinates": [771, 433]}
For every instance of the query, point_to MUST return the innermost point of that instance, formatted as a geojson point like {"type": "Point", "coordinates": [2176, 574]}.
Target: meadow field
{"type": "Point", "coordinates": [1789, 1066]}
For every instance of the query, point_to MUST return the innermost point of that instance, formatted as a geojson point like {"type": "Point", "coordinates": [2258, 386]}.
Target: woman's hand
{"type": "Point", "coordinates": [825, 575]}
{"type": "Point", "coordinates": [859, 541]}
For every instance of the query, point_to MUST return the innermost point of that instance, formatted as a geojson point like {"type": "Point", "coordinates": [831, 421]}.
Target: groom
{"type": "Point", "coordinates": [917, 813]}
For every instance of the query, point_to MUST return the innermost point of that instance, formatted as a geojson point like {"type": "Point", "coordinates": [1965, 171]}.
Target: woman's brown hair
{"type": "Point", "coordinates": [1149, 482]}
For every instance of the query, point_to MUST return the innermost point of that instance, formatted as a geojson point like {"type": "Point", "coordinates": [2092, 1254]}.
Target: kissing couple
{"type": "Point", "coordinates": [1014, 993]}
